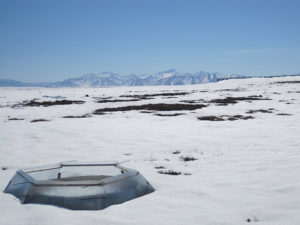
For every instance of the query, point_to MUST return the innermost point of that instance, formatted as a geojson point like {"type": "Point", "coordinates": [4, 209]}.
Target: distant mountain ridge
{"type": "Point", "coordinates": [14, 83]}
{"type": "Point", "coordinates": [105, 79]}
{"type": "Point", "coordinates": [169, 77]}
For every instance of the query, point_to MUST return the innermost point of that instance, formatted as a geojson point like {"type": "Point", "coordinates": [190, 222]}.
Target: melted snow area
{"type": "Point", "coordinates": [246, 166]}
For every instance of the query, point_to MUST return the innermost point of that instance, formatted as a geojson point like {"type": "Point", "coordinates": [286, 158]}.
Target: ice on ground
{"type": "Point", "coordinates": [245, 170]}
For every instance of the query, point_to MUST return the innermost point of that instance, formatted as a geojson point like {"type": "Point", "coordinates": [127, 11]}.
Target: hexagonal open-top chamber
{"type": "Point", "coordinates": [78, 185]}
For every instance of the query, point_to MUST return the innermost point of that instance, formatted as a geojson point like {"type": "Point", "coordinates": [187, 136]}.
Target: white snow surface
{"type": "Point", "coordinates": [245, 169]}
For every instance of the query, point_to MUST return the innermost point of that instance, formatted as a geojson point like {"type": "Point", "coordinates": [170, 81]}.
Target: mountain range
{"type": "Point", "coordinates": [169, 77]}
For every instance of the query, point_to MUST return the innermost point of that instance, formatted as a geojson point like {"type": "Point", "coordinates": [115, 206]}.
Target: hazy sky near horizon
{"type": "Point", "coordinates": [53, 40]}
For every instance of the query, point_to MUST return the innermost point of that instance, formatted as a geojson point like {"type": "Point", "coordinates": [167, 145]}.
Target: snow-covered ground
{"type": "Point", "coordinates": [245, 169]}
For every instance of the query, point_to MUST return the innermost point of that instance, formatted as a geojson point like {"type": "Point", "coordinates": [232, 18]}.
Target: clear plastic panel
{"type": "Point", "coordinates": [45, 174]}
{"type": "Point", "coordinates": [78, 171]}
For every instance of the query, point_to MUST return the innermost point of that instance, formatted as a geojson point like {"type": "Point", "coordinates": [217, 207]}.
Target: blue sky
{"type": "Point", "coordinates": [50, 40]}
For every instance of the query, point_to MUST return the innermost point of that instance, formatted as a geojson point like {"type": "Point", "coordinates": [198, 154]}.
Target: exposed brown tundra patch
{"type": "Point", "coordinates": [150, 96]}
{"type": "Point", "coordinates": [15, 118]}
{"type": "Point", "coordinates": [187, 158]}
{"type": "Point", "coordinates": [82, 116]}
{"type": "Point", "coordinates": [260, 110]}
{"type": "Point", "coordinates": [118, 100]}
{"type": "Point", "coordinates": [225, 117]}
{"type": "Point", "coordinates": [39, 120]}
{"type": "Point", "coordinates": [152, 107]}
{"type": "Point", "coordinates": [169, 172]}
{"type": "Point", "coordinates": [210, 118]}
{"type": "Point", "coordinates": [49, 103]}
{"type": "Point", "coordinates": [159, 167]}
{"type": "Point", "coordinates": [234, 100]}
{"type": "Point", "coordinates": [174, 114]}
{"type": "Point", "coordinates": [176, 152]}
{"type": "Point", "coordinates": [284, 114]}
{"type": "Point", "coordinates": [288, 82]}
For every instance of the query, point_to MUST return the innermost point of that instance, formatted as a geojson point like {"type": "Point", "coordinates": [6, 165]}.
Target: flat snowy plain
{"type": "Point", "coordinates": [246, 169]}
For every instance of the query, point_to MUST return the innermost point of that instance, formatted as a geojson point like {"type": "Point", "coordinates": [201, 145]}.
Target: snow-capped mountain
{"type": "Point", "coordinates": [169, 77]}
{"type": "Point", "coordinates": [91, 80]}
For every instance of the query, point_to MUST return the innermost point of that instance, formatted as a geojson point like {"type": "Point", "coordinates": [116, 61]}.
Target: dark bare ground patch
{"type": "Point", "coordinates": [4, 168]}
{"type": "Point", "coordinates": [49, 103]}
{"type": "Point", "coordinates": [231, 90]}
{"type": "Point", "coordinates": [234, 100]}
{"type": "Point", "coordinates": [254, 219]}
{"type": "Point", "coordinates": [39, 120]}
{"type": "Point", "coordinates": [82, 116]}
{"type": "Point", "coordinates": [176, 152]}
{"type": "Point", "coordinates": [159, 167]}
{"type": "Point", "coordinates": [187, 174]}
{"type": "Point", "coordinates": [193, 101]}
{"type": "Point", "coordinates": [16, 119]}
{"type": "Point", "coordinates": [152, 107]}
{"type": "Point", "coordinates": [169, 172]}
{"type": "Point", "coordinates": [104, 98]}
{"type": "Point", "coordinates": [169, 97]}
{"type": "Point", "coordinates": [210, 118]}
{"type": "Point", "coordinates": [239, 117]}
{"type": "Point", "coordinates": [151, 96]}
{"type": "Point", "coordinates": [187, 158]}
{"type": "Point", "coordinates": [285, 101]}
{"type": "Point", "coordinates": [144, 111]}
{"type": "Point", "coordinates": [118, 100]}
{"type": "Point", "coordinates": [225, 117]}
{"type": "Point", "coordinates": [260, 110]}
{"type": "Point", "coordinates": [288, 82]}
{"type": "Point", "coordinates": [174, 114]}
{"type": "Point", "coordinates": [284, 114]}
